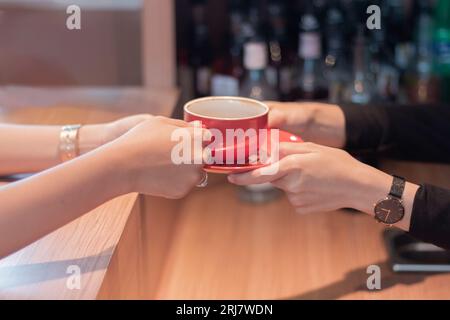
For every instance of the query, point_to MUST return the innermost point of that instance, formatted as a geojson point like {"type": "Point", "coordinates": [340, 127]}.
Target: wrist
{"type": "Point", "coordinates": [327, 124]}
{"type": "Point", "coordinates": [369, 186]}
{"type": "Point", "coordinates": [91, 137]}
{"type": "Point", "coordinates": [117, 168]}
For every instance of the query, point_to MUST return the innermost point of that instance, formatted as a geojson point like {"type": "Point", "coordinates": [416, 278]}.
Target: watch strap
{"type": "Point", "coordinates": [398, 187]}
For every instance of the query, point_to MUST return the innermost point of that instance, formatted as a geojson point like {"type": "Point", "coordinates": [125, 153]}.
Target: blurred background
{"type": "Point", "coordinates": [268, 49]}
{"type": "Point", "coordinates": [37, 49]}
{"type": "Point", "coordinates": [315, 50]}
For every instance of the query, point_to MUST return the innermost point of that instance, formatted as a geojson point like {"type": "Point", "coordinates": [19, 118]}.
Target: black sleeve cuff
{"type": "Point", "coordinates": [430, 220]}
{"type": "Point", "coordinates": [367, 128]}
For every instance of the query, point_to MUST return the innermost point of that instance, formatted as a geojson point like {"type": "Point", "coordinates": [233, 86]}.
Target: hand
{"type": "Point", "coordinates": [143, 157]}
{"type": "Point", "coordinates": [96, 135]}
{"type": "Point", "coordinates": [318, 179]}
{"type": "Point", "coordinates": [314, 122]}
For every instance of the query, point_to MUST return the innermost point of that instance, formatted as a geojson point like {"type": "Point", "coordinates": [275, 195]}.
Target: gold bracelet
{"type": "Point", "coordinates": [68, 142]}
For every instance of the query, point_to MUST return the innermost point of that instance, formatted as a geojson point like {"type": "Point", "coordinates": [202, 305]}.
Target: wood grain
{"type": "Point", "coordinates": [123, 279]}
{"type": "Point", "coordinates": [40, 271]}
{"type": "Point", "coordinates": [226, 249]}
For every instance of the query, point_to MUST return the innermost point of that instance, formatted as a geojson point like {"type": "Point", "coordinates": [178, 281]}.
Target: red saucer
{"type": "Point", "coordinates": [223, 169]}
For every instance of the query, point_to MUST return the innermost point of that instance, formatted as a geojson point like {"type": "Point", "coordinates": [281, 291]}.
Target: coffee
{"type": "Point", "coordinates": [226, 108]}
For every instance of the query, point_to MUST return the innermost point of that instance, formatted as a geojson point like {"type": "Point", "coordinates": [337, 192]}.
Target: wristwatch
{"type": "Point", "coordinates": [391, 210]}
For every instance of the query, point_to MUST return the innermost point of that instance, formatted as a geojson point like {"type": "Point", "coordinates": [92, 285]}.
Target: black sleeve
{"type": "Point", "coordinates": [431, 216]}
{"type": "Point", "coordinates": [420, 133]}
{"type": "Point", "coordinates": [415, 133]}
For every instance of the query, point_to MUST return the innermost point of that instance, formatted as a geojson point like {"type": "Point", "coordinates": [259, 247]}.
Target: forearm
{"type": "Point", "coordinates": [26, 149]}
{"type": "Point", "coordinates": [45, 202]}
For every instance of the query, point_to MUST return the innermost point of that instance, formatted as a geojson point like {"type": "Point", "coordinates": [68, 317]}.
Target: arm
{"type": "Point", "coordinates": [409, 132]}
{"type": "Point", "coordinates": [348, 183]}
{"type": "Point", "coordinates": [138, 161]}
{"type": "Point", "coordinates": [41, 204]}
{"type": "Point", "coordinates": [418, 133]}
{"type": "Point", "coordinates": [27, 149]}
{"type": "Point", "coordinates": [427, 207]}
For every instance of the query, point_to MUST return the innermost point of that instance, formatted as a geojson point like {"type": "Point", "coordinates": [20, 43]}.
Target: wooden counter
{"type": "Point", "coordinates": [207, 246]}
{"type": "Point", "coordinates": [224, 249]}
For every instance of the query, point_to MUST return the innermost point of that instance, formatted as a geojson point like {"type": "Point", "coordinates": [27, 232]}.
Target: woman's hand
{"type": "Point", "coordinates": [96, 135]}
{"type": "Point", "coordinates": [137, 161]}
{"type": "Point", "coordinates": [322, 179]}
{"type": "Point", "coordinates": [315, 122]}
{"type": "Point", "coordinates": [143, 155]}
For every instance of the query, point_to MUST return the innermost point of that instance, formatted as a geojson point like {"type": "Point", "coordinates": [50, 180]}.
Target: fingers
{"type": "Point", "coordinates": [259, 176]}
{"type": "Point", "coordinates": [253, 177]}
{"type": "Point", "coordinates": [287, 149]}
{"type": "Point", "coordinates": [142, 117]}
{"type": "Point", "coordinates": [131, 121]}
{"type": "Point", "coordinates": [176, 122]}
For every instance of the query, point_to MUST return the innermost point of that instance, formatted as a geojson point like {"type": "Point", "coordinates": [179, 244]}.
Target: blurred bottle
{"type": "Point", "coordinates": [422, 85]}
{"type": "Point", "coordinates": [336, 62]}
{"type": "Point", "coordinates": [257, 87]}
{"type": "Point", "coordinates": [255, 84]}
{"type": "Point", "coordinates": [256, 26]}
{"type": "Point", "coordinates": [201, 54]}
{"type": "Point", "coordinates": [279, 71]}
{"type": "Point", "coordinates": [310, 82]}
{"type": "Point", "coordinates": [238, 38]}
{"type": "Point", "coordinates": [384, 72]}
{"type": "Point", "coordinates": [227, 76]}
{"type": "Point", "coordinates": [360, 90]}
{"type": "Point", "coordinates": [398, 18]}
{"type": "Point", "coordinates": [441, 39]}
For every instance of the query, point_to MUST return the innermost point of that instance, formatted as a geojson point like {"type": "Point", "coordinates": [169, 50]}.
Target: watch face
{"type": "Point", "coordinates": [390, 211]}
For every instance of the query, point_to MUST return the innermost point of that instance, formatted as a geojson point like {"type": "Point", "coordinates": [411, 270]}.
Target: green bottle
{"type": "Point", "coordinates": [441, 39]}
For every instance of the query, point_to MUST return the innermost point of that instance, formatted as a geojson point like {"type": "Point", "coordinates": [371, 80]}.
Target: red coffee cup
{"type": "Point", "coordinates": [227, 114]}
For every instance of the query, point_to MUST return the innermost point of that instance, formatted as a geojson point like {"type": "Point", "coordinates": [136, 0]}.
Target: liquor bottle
{"type": "Point", "coordinates": [201, 51]}
{"type": "Point", "coordinates": [441, 40]}
{"type": "Point", "coordinates": [257, 87]}
{"type": "Point", "coordinates": [383, 70]}
{"type": "Point", "coordinates": [256, 20]}
{"type": "Point", "coordinates": [279, 71]}
{"type": "Point", "coordinates": [398, 18]}
{"type": "Point", "coordinates": [421, 84]}
{"type": "Point", "coordinates": [360, 90]}
{"type": "Point", "coordinates": [310, 82]}
{"type": "Point", "coordinates": [336, 62]}
{"type": "Point", "coordinates": [238, 35]}
{"type": "Point", "coordinates": [228, 74]}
